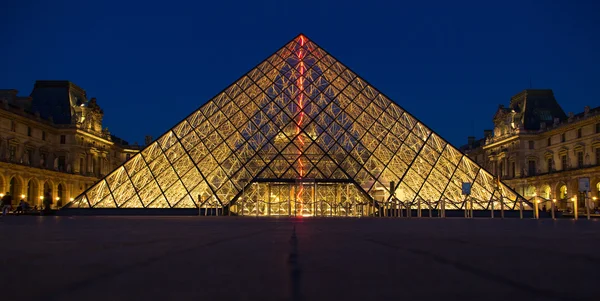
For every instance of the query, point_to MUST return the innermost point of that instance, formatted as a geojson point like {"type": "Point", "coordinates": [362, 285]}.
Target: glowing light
{"type": "Point", "coordinates": [538, 201]}
{"type": "Point", "coordinates": [300, 85]}
{"type": "Point", "coordinates": [594, 198]}
{"type": "Point", "coordinates": [22, 196]}
{"type": "Point", "coordinates": [573, 199]}
{"type": "Point", "coordinates": [57, 198]}
{"type": "Point", "coordinates": [41, 197]}
{"type": "Point", "coordinates": [1, 195]}
{"type": "Point", "coordinates": [554, 200]}
{"type": "Point", "coordinates": [71, 199]}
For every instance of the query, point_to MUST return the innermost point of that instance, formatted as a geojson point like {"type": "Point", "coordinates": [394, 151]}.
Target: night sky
{"type": "Point", "coordinates": [449, 63]}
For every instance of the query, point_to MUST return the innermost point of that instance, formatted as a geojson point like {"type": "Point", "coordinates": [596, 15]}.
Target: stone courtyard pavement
{"type": "Point", "coordinates": [229, 258]}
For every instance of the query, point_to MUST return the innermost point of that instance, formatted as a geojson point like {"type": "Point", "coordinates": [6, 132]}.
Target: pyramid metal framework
{"type": "Point", "coordinates": [300, 134]}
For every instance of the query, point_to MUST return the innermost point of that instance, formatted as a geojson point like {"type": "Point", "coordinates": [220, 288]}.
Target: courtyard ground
{"type": "Point", "coordinates": [235, 258]}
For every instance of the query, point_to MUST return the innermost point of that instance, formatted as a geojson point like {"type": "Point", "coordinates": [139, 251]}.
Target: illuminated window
{"type": "Point", "coordinates": [531, 167]}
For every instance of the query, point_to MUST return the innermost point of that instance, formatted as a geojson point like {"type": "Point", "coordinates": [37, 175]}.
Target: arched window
{"type": "Point", "coordinates": [562, 192]}
{"type": "Point", "coordinates": [32, 192]}
{"type": "Point", "coordinates": [60, 195]}
{"type": "Point", "coordinates": [15, 189]}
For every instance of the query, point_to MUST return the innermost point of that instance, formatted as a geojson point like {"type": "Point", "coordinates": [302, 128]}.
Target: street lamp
{"type": "Point", "coordinates": [574, 200]}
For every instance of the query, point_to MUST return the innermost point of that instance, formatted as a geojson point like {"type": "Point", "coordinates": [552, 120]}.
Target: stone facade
{"type": "Point", "coordinates": [54, 141]}
{"type": "Point", "coordinates": [540, 151]}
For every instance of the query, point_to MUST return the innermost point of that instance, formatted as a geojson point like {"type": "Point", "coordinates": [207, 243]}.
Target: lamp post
{"type": "Point", "coordinates": [535, 206]}
{"type": "Point", "coordinates": [574, 200]}
{"type": "Point", "coordinates": [553, 208]}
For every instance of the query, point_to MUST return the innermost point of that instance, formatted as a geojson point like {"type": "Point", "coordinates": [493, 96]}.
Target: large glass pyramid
{"type": "Point", "coordinates": [300, 134]}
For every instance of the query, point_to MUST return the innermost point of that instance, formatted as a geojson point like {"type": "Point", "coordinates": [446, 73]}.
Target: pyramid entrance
{"type": "Point", "coordinates": [299, 134]}
{"type": "Point", "coordinates": [303, 197]}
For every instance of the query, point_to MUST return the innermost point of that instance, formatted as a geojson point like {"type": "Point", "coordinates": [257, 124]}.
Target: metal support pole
{"type": "Point", "coordinates": [268, 199]}
{"type": "Point", "coordinates": [587, 206]}
{"type": "Point", "coordinates": [535, 209]}
{"type": "Point", "coordinates": [419, 207]}
{"type": "Point", "coordinates": [501, 207]}
{"type": "Point", "coordinates": [521, 208]}
{"type": "Point", "coordinates": [575, 209]}
{"type": "Point", "coordinates": [470, 207]}
{"type": "Point", "coordinates": [492, 203]}
{"type": "Point", "coordinates": [465, 207]}
{"type": "Point", "coordinates": [430, 209]}
{"type": "Point", "coordinates": [315, 198]}
{"type": "Point", "coordinates": [443, 207]}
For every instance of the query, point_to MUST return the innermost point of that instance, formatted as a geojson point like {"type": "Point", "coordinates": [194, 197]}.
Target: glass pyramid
{"type": "Point", "coordinates": [300, 134]}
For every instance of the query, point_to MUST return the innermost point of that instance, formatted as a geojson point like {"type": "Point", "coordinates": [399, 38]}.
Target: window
{"type": "Point", "coordinates": [513, 169]}
{"type": "Point", "coordinates": [127, 156]}
{"type": "Point", "coordinates": [578, 133]}
{"type": "Point", "coordinates": [549, 141]}
{"type": "Point", "coordinates": [598, 156]}
{"type": "Point", "coordinates": [550, 165]}
{"type": "Point", "coordinates": [63, 139]}
{"type": "Point", "coordinates": [13, 126]}
{"type": "Point", "coordinates": [61, 163]}
{"type": "Point", "coordinates": [29, 131]}
{"type": "Point", "coordinates": [42, 159]}
{"type": "Point", "coordinates": [580, 159]}
{"type": "Point", "coordinates": [563, 160]}
{"type": "Point", "coordinates": [562, 137]}
{"type": "Point", "coordinates": [597, 128]}
{"type": "Point", "coordinates": [531, 145]}
{"type": "Point", "coordinates": [81, 167]}
{"type": "Point", "coordinates": [12, 152]}
{"type": "Point", "coordinates": [501, 169]}
{"type": "Point", "coordinates": [531, 168]}
{"type": "Point", "coordinates": [27, 156]}
{"type": "Point", "coordinates": [44, 135]}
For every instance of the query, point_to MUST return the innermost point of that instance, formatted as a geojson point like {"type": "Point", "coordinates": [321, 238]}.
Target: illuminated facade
{"type": "Point", "coordinates": [300, 134]}
{"type": "Point", "coordinates": [53, 141]}
{"type": "Point", "coordinates": [540, 151]}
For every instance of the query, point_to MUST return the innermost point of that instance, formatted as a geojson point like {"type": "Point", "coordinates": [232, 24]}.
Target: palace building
{"type": "Point", "coordinates": [300, 135]}
{"type": "Point", "coordinates": [53, 140]}
{"type": "Point", "coordinates": [540, 151]}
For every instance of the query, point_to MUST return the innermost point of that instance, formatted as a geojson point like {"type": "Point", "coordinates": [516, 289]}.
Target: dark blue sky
{"type": "Point", "coordinates": [449, 63]}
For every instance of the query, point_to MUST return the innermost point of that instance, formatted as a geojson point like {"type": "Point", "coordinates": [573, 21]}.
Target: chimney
{"type": "Point", "coordinates": [487, 133]}
{"type": "Point", "coordinates": [471, 140]}
{"type": "Point", "coordinates": [586, 111]}
{"type": "Point", "coordinates": [148, 140]}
